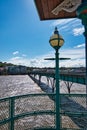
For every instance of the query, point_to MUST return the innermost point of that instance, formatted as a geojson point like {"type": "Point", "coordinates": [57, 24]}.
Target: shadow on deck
{"type": "Point", "coordinates": [69, 105]}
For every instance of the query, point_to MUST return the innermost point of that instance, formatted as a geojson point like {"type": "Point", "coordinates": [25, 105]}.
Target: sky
{"type": "Point", "coordinates": [24, 39]}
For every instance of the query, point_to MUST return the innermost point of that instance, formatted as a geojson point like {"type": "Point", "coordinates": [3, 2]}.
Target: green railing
{"type": "Point", "coordinates": [73, 111]}
{"type": "Point", "coordinates": [65, 76]}
{"type": "Point", "coordinates": [37, 111]}
{"type": "Point", "coordinates": [27, 112]}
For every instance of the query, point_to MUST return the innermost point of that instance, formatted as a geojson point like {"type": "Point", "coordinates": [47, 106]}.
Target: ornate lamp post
{"type": "Point", "coordinates": [82, 14]}
{"type": "Point", "coordinates": [56, 41]}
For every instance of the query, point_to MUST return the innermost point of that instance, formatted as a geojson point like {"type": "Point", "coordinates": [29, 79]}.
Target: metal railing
{"type": "Point", "coordinates": [37, 111]}
{"type": "Point", "coordinates": [27, 112]}
{"type": "Point", "coordinates": [73, 111]}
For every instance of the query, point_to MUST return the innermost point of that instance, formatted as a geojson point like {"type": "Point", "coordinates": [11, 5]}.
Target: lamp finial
{"type": "Point", "coordinates": [56, 31]}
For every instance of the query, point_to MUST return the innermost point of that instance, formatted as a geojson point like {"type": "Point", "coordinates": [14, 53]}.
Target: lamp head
{"type": "Point", "coordinates": [56, 40]}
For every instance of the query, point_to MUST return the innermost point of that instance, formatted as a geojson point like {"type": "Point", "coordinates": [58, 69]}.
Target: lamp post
{"type": "Point", "coordinates": [82, 14]}
{"type": "Point", "coordinates": [56, 41]}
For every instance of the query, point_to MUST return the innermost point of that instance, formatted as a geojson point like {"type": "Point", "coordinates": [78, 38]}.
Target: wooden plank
{"type": "Point", "coordinates": [39, 7]}
{"type": "Point", "coordinates": [45, 7]}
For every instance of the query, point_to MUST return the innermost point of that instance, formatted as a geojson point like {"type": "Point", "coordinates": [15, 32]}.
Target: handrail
{"type": "Point", "coordinates": [27, 95]}
{"type": "Point", "coordinates": [65, 76]}
{"type": "Point", "coordinates": [12, 117]}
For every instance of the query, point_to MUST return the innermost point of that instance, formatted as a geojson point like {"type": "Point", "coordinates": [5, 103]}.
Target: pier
{"type": "Point", "coordinates": [68, 77]}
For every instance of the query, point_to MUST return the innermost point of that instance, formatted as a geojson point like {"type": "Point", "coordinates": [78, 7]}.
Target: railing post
{"type": "Point", "coordinates": [11, 113]}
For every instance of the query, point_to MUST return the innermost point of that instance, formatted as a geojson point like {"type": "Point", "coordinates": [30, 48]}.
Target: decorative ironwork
{"type": "Point", "coordinates": [67, 5]}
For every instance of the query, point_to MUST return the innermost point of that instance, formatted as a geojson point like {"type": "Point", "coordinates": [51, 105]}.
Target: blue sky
{"type": "Point", "coordinates": [24, 39]}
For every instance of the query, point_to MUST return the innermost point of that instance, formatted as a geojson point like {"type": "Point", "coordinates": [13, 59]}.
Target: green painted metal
{"type": "Point", "coordinates": [82, 14]}
{"type": "Point", "coordinates": [57, 92]}
{"type": "Point", "coordinates": [45, 129]}
{"type": "Point", "coordinates": [12, 117]}
{"type": "Point", "coordinates": [72, 77]}
{"type": "Point", "coordinates": [2, 122]}
{"type": "Point", "coordinates": [48, 112]}
{"type": "Point", "coordinates": [12, 113]}
{"type": "Point", "coordinates": [77, 114]}
{"type": "Point", "coordinates": [26, 95]}
{"type": "Point", "coordinates": [59, 58]}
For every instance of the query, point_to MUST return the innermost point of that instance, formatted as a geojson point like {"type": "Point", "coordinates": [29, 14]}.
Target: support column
{"type": "Point", "coordinates": [39, 79]}
{"type": "Point", "coordinates": [57, 92]}
{"type": "Point", "coordinates": [68, 85]}
{"type": "Point", "coordinates": [82, 14]}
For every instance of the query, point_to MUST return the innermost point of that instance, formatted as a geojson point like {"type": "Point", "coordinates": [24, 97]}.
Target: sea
{"type": "Point", "coordinates": [13, 85]}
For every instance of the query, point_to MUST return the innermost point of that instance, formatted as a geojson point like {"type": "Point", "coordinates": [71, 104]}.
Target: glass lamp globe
{"type": "Point", "coordinates": [56, 40]}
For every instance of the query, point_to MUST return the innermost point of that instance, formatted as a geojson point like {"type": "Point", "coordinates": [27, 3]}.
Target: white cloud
{"type": "Point", "coordinates": [77, 56]}
{"type": "Point", "coordinates": [78, 31]}
{"type": "Point", "coordinates": [73, 63]}
{"type": "Point", "coordinates": [67, 24]}
{"type": "Point", "coordinates": [19, 61]}
{"type": "Point", "coordinates": [24, 55]}
{"type": "Point", "coordinates": [79, 46]}
{"type": "Point", "coordinates": [70, 26]}
{"type": "Point", "coordinates": [15, 58]}
{"type": "Point", "coordinates": [15, 52]}
{"type": "Point", "coordinates": [73, 53]}
{"type": "Point", "coordinates": [61, 22]}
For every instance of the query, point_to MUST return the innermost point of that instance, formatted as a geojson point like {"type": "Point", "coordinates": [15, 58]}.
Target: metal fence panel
{"type": "Point", "coordinates": [37, 111]}
{"type": "Point", "coordinates": [4, 126]}
{"type": "Point", "coordinates": [27, 112]}
{"type": "Point", "coordinates": [4, 110]}
{"type": "Point", "coordinates": [37, 121]}
{"type": "Point", "coordinates": [74, 111]}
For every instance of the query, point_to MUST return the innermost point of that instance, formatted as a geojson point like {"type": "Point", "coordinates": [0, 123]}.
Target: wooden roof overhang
{"type": "Point", "coordinates": [45, 7]}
